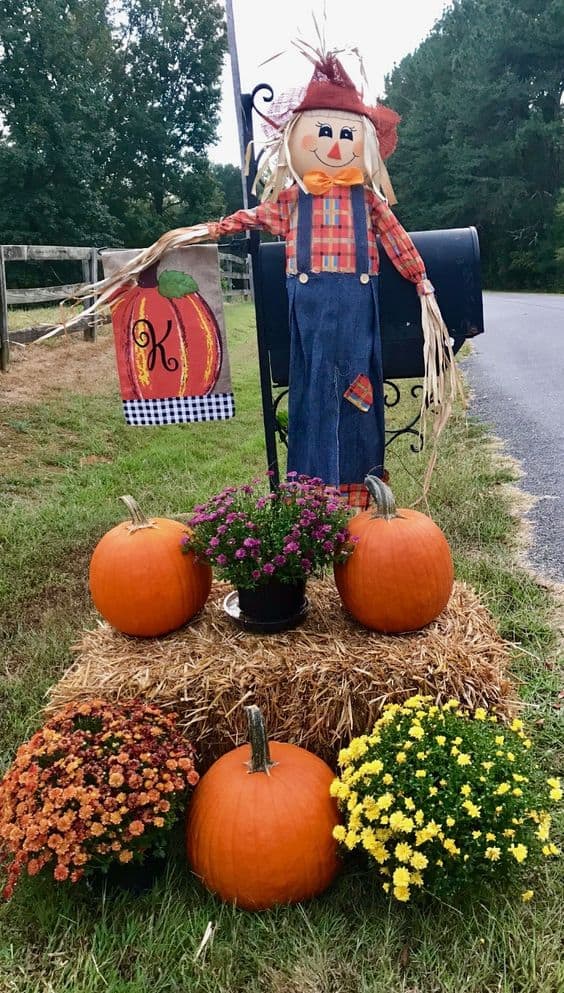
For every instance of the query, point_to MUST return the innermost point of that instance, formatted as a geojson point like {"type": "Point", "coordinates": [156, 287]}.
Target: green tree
{"type": "Point", "coordinates": [54, 62]}
{"type": "Point", "coordinates": [166, 96]}
{"type": "Point", "coordinates": [559, 230]}
{"type": "Point", "coordinates": [481, 139]}
{"type": "Point", "coordinates": [228, 178]}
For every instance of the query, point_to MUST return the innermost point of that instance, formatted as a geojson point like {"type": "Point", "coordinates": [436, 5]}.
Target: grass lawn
{"type": "Point", "coordinates": [68, 456]}
{"type": "Point", "coordinates": [25, 317]}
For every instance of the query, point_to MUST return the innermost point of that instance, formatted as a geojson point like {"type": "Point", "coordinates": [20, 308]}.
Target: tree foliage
{"type": "Point", "coordinates": [107, 108]}
{"type": "Point", "coordinates": [106, 112]}
{"type": "Point", "coordinates": [481, 139]}
{"type": "Point", "coordinates": [166, 88]}
{"type": "Point", "coordinates": [54, 57]}
{"type": "Point", "coordinates": [228, 178]}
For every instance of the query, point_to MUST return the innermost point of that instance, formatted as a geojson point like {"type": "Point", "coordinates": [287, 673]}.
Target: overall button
{"type": "Point", "coordinates": [303, 277]}
{"type": "Point", "coordinates": [364, 277]}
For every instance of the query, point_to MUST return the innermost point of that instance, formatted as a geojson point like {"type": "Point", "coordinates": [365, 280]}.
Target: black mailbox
{"type": "Point", "coordinates": [452, 261]}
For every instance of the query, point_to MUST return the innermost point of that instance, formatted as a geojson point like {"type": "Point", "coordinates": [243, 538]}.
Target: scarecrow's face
{"type": "Point", "coordinates": [328, 140]}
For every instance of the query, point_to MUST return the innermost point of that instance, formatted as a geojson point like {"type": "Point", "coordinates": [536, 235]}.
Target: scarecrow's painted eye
{"type": "Point", "coordinates": [325, 131]}
{"type": "Point", "coordinates": [346, 133]}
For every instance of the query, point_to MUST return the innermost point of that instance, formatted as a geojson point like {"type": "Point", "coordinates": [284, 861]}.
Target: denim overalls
{"type": "Point", "coordinates": [335, 337]}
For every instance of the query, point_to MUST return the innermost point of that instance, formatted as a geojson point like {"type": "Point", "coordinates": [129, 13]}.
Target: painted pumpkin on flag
{"type": "Point", "coordinates": [167, 338]}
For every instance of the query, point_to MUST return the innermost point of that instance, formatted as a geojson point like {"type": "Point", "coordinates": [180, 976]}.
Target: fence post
{"type": "Point", "coordinates": [228, 273]}
{"type": "Point", "coordinates": [4, 340]}
{"type": "Point", "coordinates": [90, 275]}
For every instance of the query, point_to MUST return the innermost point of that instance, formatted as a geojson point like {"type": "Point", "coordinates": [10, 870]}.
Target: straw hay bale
{"type": "Point", "coordinates": [317, 685]}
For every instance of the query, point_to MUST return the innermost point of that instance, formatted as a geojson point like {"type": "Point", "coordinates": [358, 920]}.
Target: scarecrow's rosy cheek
{"type": "Point", "coordinates": [358, 147]}
{"type": "Point", "coordinates": [309, 142]}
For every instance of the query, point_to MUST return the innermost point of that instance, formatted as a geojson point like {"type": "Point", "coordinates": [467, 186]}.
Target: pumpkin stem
{"type": "Point", "coordinates": [382, 496]}
{"type": "Point", "coordinates": [138, 519]}
{"type": "Point", "coordinates": [258, 740]}
{"type": "Point", "coordinates": [148, 277]}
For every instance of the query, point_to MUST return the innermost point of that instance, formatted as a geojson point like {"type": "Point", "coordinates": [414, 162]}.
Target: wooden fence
{"type": "Point", "coordinates": [235, 282]}
{"type": "Point", "coordinates": [43, 294]}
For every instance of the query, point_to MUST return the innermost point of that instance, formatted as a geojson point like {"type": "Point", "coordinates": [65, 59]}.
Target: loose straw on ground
{"type": "Point", "coordinates": [317, 685]}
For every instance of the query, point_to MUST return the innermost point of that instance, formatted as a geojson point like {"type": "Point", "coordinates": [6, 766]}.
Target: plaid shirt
{"type": "Point", "coordinates": [332, 241]}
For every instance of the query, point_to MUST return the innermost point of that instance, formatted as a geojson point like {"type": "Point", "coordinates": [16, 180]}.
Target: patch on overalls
{"type": "Point", "coordinates": [359, 393]}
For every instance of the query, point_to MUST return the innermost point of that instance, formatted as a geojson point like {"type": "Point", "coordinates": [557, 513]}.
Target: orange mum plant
{"type": "Point", "coordinates": [99, 782]}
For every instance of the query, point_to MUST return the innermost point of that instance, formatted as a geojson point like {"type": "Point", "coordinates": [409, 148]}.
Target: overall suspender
{"type": "Point", "coordinates": [303, 247]}
{"type": "Point", "coordinates": [304, 234]}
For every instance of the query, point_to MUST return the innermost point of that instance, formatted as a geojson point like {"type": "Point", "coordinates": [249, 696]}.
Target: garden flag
{"type": "Point", "coordinates": [169, 336]}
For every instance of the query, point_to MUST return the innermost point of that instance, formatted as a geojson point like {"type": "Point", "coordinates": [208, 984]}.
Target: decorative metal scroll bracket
{"type": "Point", "coordinates": [392, 396]}
{"type": "Point", "coordinates": [392, 400]}
{"type": "Point", "coordinates": [267, 99]}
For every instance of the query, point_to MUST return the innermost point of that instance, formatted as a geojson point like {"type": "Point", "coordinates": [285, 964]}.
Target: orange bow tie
{"type": "Point", "coordinates": [319, 182]}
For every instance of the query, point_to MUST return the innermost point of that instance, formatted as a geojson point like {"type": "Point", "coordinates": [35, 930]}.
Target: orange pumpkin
{"type": "Point", "coordinates": [400, 574]}
{"type": "Point", "coordinates": [140, 579]}
{"type": "Point", "coordinates": [260, 823]}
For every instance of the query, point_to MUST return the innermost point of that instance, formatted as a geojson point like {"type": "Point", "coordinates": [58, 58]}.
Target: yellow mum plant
{"type": "Point", "coordinates": [442, 800]}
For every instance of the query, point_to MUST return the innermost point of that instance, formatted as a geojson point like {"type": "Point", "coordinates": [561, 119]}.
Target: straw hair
{"type": "Point", "coordinates": [317, 685]}
{"type": "Point", "coordinates": [442, 382]}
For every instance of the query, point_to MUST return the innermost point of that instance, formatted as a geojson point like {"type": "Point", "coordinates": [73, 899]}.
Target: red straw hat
{"type": "Point", "coordinates": [331, 88]}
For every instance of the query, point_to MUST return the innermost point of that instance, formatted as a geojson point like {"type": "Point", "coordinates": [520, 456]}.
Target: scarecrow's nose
{"type": "Point", "coordinates": [334, 152]}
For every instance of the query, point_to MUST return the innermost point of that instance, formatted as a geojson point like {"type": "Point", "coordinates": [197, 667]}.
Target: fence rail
{"type": "Point", "coordinates": [40, 253]}
{"type": "Point", "coordinates": [42, 294]}
{"type": "Point", "coordinates": [234, 269]}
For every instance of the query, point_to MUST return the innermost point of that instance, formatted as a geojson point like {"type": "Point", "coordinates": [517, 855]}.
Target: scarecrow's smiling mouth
{"type": "Point", "coordinates": [333, 164]}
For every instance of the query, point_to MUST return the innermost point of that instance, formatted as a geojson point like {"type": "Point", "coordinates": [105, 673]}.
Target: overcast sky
{"type": "Point", "coordinates": [383, 30]}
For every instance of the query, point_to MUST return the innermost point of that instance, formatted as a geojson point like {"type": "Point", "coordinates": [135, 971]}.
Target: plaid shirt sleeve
{"type": "Point", "coordinates": [273, 217]}
{"type": "Point", "coordinates": [398, 245]}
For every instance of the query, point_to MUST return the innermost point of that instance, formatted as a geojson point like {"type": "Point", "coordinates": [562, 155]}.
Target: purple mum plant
{"type": "Point", "coordinates": [249, 536]}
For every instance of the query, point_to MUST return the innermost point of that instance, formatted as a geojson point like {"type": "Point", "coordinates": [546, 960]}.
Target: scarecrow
{"type": "Point", "coordinates": [327, 193]}
{"type": "Point", "coordinates": [330, 146]}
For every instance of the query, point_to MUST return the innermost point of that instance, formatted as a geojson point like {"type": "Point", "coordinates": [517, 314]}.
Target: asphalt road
{"type": "Point", "coordinates": [516, 373]}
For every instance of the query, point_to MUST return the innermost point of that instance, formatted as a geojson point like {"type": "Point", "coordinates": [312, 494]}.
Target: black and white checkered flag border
{"type": "Point", "coordinates": [179, 410]}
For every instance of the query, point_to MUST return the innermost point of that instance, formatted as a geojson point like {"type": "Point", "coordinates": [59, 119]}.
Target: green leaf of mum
{"type": "Point", "coordinates": [176, 284]}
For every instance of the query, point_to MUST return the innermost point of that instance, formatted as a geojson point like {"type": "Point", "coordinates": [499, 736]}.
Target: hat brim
{"type": "Point", "coordinates": [386, 121]}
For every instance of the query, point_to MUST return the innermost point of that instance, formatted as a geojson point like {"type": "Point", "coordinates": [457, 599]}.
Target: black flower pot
{"type": "Point", "coordinates": [135, 878]}
{"type": "Point", "coordinates": [274, 606]}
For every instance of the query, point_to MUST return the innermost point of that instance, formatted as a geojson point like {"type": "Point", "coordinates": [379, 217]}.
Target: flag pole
{"type": "Point", "coordinates": [268, 411]}
{"type": "Point", "coordinates": [236, 79]}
